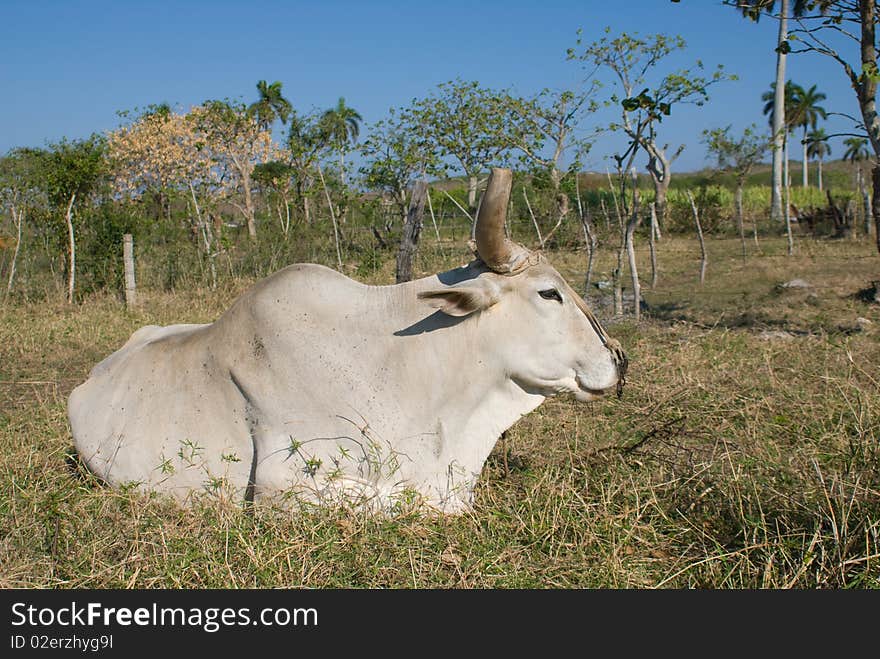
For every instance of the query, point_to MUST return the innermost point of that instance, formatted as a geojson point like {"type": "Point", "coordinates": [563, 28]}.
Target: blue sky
{"type": "Point", "coordinates": [66, 68]}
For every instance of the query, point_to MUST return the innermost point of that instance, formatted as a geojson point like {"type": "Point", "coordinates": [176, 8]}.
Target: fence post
{"type": "Point", "coordinates": [128, 261]}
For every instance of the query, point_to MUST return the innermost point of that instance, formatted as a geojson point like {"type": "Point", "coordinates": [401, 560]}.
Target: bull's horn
{"type": "Point", "coordinates": [494, 248]}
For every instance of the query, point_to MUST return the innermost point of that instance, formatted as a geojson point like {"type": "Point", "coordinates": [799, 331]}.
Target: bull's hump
{"type": "Point", "coordinates": [302, 280]}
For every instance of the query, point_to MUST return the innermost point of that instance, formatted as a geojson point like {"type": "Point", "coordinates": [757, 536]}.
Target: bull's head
{"type": "Point", "coordinates": [552, 343]}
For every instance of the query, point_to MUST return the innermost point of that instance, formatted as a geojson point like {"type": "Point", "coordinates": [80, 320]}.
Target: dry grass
{"type": "Point", "coordinates": [744, 454]}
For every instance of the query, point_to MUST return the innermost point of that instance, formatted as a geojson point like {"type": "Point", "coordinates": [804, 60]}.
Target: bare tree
{"type": "Point", "coordinates": [633, 60]}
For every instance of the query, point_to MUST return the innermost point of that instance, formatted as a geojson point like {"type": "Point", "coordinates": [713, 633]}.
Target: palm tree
{"type": "Point", "coordinates": [807, 113]}
{"type": "Point", "coordinates": [271, 105]}
{"type": "Point", "coordinates": [856, 149]}
{"type": "Point", "coordinates": [818, 148]}
{"type": "Point", "coordinates": [341, 125]}
{"type": "Point", "coordinates": [790, 94]}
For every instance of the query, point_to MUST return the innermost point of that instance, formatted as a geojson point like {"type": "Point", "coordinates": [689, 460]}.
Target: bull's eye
{"type": "Point", "coordinates": [551, 294]}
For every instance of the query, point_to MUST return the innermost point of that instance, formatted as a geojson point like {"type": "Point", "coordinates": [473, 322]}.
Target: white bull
{"type": "Point", "coordinates": [314, 386]}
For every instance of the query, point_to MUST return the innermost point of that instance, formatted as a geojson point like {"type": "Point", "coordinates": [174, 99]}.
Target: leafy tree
{"type": "Point", "coordinates": [306, 144]}
{"type": "Point", "coordinates": [275, 177]}
{"type": "Point", "coordinates": [396, 154]}
{"type": "Point", "coordinates": [738, 154]}
{"type": "Point", "coordinates": [159, 154]}
{"type": "Point", "coordinates": [644, 96]}
{"type": "Point", "coordinates": [856, 149]}
{"type": "Point", "coordinates": [818, 148]}
{"type": "Point", "coordinates": [542, 128]}
{"type": "Point", "coordinates": [20, 193]}
{"type": "Point", "coordinates": [271, 106]}
{"type": "Point", "coordinates": [463, 122]}
{"type": "Point", "coordinates": [234, 142]}
{"type": "Point", "coordinates": [341, 127]}
{"type": "Point", "coordinates": [71, 171]}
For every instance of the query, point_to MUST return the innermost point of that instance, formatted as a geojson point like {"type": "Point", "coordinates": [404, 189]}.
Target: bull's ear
{"type": "Point", "coordinates": [464, 299]}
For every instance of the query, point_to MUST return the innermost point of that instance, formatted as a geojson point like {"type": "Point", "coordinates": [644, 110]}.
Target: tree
{"type": "Point", "coordinates": [341, 127]}
{"type": "Point", "coordinates": [461, 119]}
{"type": "Point", "coordinates": [163, 153]}
{"type": "Point", "coordinates": [72, 170]}
{"type": "Point", "coordinates": [275, 177]}
{"type": "Point", "coordinates": [271, 105]}
{"type": "Point", "coordinates": [845, 31]}
{"type": "Point", "coordinates": [790, 95]}
{"type": "Point", "coordinates": [857, 152]}
{"type": "Point", "coordinates": [856, 149]}
{"type": "Point", "coordinates": [818, 148]}
{"type": "Point", "coordinates": [643, 103]}
{"type": "Point", "coordinates": [753, 10]}
{"type": "Point", "coordinates": [740, 155]}
{"type": "Point", "coordinates": [20, 183]}
{"type": "Point", "coordinates": [807, 113]}
{"type": "Point", "coordinates": [305, 145]}
{"type": "Point", "coordinates": [542, 128]}
{"type": "Point", "coordinates": [396, 154]}
{"type": "Point", "coordinates": [235, 143]}
{"type": "Point", "coordinates": [158, 153]}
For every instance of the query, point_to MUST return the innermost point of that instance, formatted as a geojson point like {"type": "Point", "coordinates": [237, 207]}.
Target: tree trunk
{"type": "Point", "coordinates": [344, 215]}
{"type": "Point", "coordinates": [71, 276]}
{"type": "Point", "coordinates": [806, 176]}
{"type": "Point", "coordinates": [842, 228]}
{"type": "Point", "coordinates": [631, 253]}
{"type": "Point", "coordinates": [128, 266]}
{"type": "Point", "coordinates": [660, 189]}
{"type": "Point", "coordinates": [333, 218]}
{"type": "Point", "coordinates": [342, 167]}
{"type": "Point", "coordinates": [616, 273]}
{"type": "Point", "coordinates": [605, 214]}
{"type": "Point", "coordinates": [866, 87]}
{"type": "Point", "coordinates": [779, 115]}
{"type": "Point", "coordinates": [472, 192]}
{"type": "Point", "coordinates": [658, 168]}
{"type": "Point", "coordinates": [820, 174]}
{"type": "Point", "coordinates": [17, 219]}
{"type": "Point", "coordinates": [534, 221]}
{"type": "Point", "coordinates": [589, 236]}
{"type": "Point", "coordinates": [786, 175]}
{"type": "Point", "coordinates": [433, 219]}
{"type": "Point", "coordinates": [403, 208]}
{"type": "Point", "coordinates": [866, 201]}
{"type": "Point", "coordinates": [207, 238]}
{"type": "Point", "coordinates": [738, 200]}
{"type": "Point", "coordinates": [875, 205]}
{"type": "Point", "coordinates": [412, 229]}
{"type": "Point", "coordinates": [704, 259]}
{"type": "Point", "coordinates": [788, 207]}
{"type": "Point", "coordinates": [651, 243]}
{"type": "Point", "coordinates": [590, 240]}
{"type": "Point", "coordinates": [249, 212]}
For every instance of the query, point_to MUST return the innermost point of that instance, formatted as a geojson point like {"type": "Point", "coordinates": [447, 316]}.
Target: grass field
{"type": "Point", "coordinates": [744, 453]}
